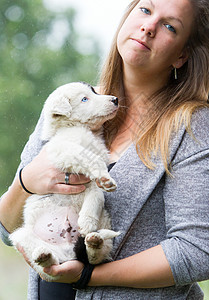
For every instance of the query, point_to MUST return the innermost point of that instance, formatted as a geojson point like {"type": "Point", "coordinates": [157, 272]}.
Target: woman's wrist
{"type": "Point", "coordinates": [11, 206]}
{"type": "Point", "coordinates": [82, 283]}
{"type": "Point", "coordinates": [100, 277]}
{"type": "Point", "coordinates": [22, 183]}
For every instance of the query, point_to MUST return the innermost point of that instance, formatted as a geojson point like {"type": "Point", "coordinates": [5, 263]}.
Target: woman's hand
{"type": "Point", "coordinates": [21, 250]}
{"type": "Point", "coordinates": [68, 272]}
{"type": "Point", "coordinates": [40, 177]}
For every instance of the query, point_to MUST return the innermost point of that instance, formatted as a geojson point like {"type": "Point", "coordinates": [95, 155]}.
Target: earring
{"type": "Point", "coordinates": [175, 74]}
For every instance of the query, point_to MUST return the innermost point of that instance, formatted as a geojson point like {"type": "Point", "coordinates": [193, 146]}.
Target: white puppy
{"type": "Point", "coordinates": [73, 118]}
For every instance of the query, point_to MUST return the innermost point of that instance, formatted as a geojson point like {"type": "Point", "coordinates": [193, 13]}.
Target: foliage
{"type": "Point", "coordinates": [40, 50]}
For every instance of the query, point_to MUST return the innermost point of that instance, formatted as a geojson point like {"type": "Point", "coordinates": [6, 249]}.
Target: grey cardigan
{"type": "Point", "coordinates": [151, 208]}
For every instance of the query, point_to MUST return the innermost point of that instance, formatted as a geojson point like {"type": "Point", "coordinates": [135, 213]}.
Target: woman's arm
{"type": "Point", "coordinates": [39, 177]}
{"type": "Point", "coordinates": [148, 269]}
{"type": "Point", "coordinates": [11, 206]}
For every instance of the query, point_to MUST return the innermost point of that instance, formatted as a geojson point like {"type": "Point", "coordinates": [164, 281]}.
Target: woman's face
{"type": "Point", "coordinates": [154, 35]}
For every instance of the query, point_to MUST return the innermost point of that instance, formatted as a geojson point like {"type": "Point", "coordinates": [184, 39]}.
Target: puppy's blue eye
{"type": "Point", "coordinates": [85, 99]}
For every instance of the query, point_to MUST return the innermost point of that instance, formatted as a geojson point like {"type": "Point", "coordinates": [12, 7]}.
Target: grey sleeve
{"type": "Point", "coordinates": [31, 149]}
{"type": "Point", "coordinates": [186, 198]}
{"type": "Point", "coordinates": [34, 144]}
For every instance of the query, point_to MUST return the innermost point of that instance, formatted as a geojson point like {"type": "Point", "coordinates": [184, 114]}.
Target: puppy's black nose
{"type": "Point", "coordinates": [115, 101]}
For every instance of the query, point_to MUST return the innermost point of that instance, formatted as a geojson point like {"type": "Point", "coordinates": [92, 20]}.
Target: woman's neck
{"type": "Point", "coordinates": [140, 85]}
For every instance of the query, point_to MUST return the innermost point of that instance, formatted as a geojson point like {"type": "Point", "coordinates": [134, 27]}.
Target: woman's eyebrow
{"type": "Point", "coordinates": [175, 19]}
{"type": "Point", "coordinates": [150, 1]}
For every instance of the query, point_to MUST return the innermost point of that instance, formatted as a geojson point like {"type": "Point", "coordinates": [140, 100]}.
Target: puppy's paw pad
{"type": "Point", "coordinates": [43, 258]}
{"type": "Point", "coordinates": [94, 240]}
{"type": "Point", "coordinates": [109, 185]}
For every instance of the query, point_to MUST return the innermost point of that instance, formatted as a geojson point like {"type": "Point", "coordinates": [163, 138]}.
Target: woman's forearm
{"type": "Point", "coordinates": [39, 177]}
{"type": "Point", "coordinates": [148, 269]}
{"type": "Point", "coordinates": [11, 206]}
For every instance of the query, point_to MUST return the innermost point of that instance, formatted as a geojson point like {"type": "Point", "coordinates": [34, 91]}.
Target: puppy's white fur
{"type": "Point", "coordinates": [73, 115]}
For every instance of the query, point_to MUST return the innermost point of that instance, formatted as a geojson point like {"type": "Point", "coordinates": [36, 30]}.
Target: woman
{"type": "Point", "coordinates": [158, 67]}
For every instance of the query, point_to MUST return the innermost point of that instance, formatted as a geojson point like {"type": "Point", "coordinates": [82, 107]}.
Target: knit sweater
{"type": "Point", "coordinates": [150, 208]}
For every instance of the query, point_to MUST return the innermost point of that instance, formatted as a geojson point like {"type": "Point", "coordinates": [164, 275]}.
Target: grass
{"type": "Point", "coordinates": [14, 275]}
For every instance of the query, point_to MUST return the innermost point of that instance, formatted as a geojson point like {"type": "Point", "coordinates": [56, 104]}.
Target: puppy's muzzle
{"type": "Point", "coordinates": [115, 101]}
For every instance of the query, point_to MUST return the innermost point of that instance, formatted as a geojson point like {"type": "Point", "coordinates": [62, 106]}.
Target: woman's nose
{"type": "Point", "coordinates": [149, 29]}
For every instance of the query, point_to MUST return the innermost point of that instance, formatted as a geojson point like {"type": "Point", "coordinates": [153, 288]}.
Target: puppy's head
{"type": "Point", "coordinates": [77, 103]}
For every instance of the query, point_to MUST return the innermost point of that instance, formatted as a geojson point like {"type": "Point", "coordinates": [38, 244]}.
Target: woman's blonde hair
{"type": "Point", "coordinates": [172, 105]}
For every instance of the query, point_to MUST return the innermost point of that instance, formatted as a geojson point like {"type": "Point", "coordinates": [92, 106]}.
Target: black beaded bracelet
{"type": "Point", "coordinates": [22, 184]}
{"type": "Point", "coordinates": [84, 279]}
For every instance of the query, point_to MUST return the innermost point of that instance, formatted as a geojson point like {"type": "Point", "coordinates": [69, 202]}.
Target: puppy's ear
{"type": "Point", "coordinates": [56, 105]}
{"type": "Point", "coordinates": [61, 106]}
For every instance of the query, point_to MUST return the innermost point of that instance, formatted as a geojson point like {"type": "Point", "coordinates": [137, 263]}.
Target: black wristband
{"type": "Point", "coordinates": [85, 277]}
{"type": "Point", "coordinates": [22, 184]}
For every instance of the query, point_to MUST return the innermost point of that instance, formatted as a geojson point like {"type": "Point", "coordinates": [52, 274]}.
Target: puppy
{"type": "Point", "coordinates": [54, 223]}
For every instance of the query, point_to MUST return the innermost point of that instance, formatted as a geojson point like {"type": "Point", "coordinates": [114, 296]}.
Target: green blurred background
{"type": "Point", "coordinates": [34, 60]}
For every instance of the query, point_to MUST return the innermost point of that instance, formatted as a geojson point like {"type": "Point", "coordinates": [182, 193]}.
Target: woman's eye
{"type": "Point", "coordinates": [171, 28]}
{"type": "Point", "coordinates": [145, 10]}
{"type": "Point", "coordinates": [85, 99]}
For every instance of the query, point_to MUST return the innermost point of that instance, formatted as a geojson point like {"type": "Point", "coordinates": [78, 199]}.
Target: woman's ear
{"type": "Point", "coordinates": [182, 59]}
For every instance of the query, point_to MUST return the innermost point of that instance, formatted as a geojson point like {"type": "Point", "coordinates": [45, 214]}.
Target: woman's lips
{"type": "Point", "coordinates": [143, 44]}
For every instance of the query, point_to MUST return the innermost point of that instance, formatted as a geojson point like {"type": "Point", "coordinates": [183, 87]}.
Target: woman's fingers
{"type": "Point", "coordinates": [73, 185]}
{"type": "Point", "coordinates": [67, 272]}
{"type": "Point", "coordinates": [21, 250]}
{"type": "Point", "coordinates": [71, 178]}
{"type": "Point", "coordinates": [76, 179]}
{"type": "Point", "coordinates": [68, 189]}
{"type": "Point", "coordinates": [40, 177]}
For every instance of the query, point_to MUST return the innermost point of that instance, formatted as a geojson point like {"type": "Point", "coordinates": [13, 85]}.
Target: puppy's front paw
{"type": "Point", "coordinates": [107, 184]}
{"type": "Point", "coordinates": [87, 224]}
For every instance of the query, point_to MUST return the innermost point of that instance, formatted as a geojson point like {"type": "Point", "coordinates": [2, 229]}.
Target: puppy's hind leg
{"type": "Point", "coordinates": [37, 251]}
{"type": "Point", "coordinates": [108, 234]}
{"type": "Point", "coordinates": [99, 245]}
{"type": "Point", "coordinates": [43, 256]}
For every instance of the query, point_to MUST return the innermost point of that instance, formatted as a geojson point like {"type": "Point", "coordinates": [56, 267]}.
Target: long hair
{"type": "Point", "coordinates": [171, 106]}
